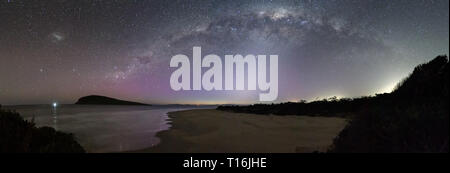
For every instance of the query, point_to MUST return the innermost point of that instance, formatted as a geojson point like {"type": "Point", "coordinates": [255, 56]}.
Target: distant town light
{"type": "Point", "coordinates": [55, 104]}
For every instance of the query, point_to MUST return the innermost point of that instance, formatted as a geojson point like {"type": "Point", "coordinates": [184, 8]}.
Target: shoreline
{"type": "Point", "coordinates": [214, 131]}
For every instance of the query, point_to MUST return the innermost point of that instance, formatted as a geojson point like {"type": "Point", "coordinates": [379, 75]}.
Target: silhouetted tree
{"type": "Point", "coordinates": [20, 136]}
{"type": "Point", "coordinates": [413, 118]}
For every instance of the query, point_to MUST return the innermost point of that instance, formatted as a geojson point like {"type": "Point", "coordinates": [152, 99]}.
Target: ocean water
{"type": "Point", "coordinates": [104, 128]}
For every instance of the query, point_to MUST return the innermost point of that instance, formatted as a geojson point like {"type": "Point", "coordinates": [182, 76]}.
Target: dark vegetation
{"type": "Point", "coordinates": [102, 100]}
{"type": "Point", "coordinates": [20, 136]}
{"type": "Point", "coordinates": [413, 118]}
{"type": "Point", "coordinates": [331, 107]}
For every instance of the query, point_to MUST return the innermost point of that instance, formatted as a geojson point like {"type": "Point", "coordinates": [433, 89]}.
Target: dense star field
{"type": "Point", "coordinates": [58, 51]}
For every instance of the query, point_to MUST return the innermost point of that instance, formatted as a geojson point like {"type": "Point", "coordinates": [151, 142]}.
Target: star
{"type": "Point", "coordinates": [57, 37]}
{"type": "Point", "coordinates": [325, 48]}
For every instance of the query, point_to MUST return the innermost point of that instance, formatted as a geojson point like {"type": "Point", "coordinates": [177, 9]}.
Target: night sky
{"type": "Point", "coordinates": [58, 51]}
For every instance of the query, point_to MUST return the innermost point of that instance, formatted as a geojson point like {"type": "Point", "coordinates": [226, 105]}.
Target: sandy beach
{"type": "Point", "coordinates": [208, 130]}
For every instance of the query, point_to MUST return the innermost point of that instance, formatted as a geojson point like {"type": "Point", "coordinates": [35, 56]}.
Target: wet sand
{"type": "Point", "coordinates": [208, 130]}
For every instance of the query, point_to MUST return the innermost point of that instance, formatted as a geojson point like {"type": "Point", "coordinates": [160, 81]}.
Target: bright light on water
{"type": "Point", "coordinates": [141, 124]}
{"type": "Point", "coordinates": [55, 104]}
